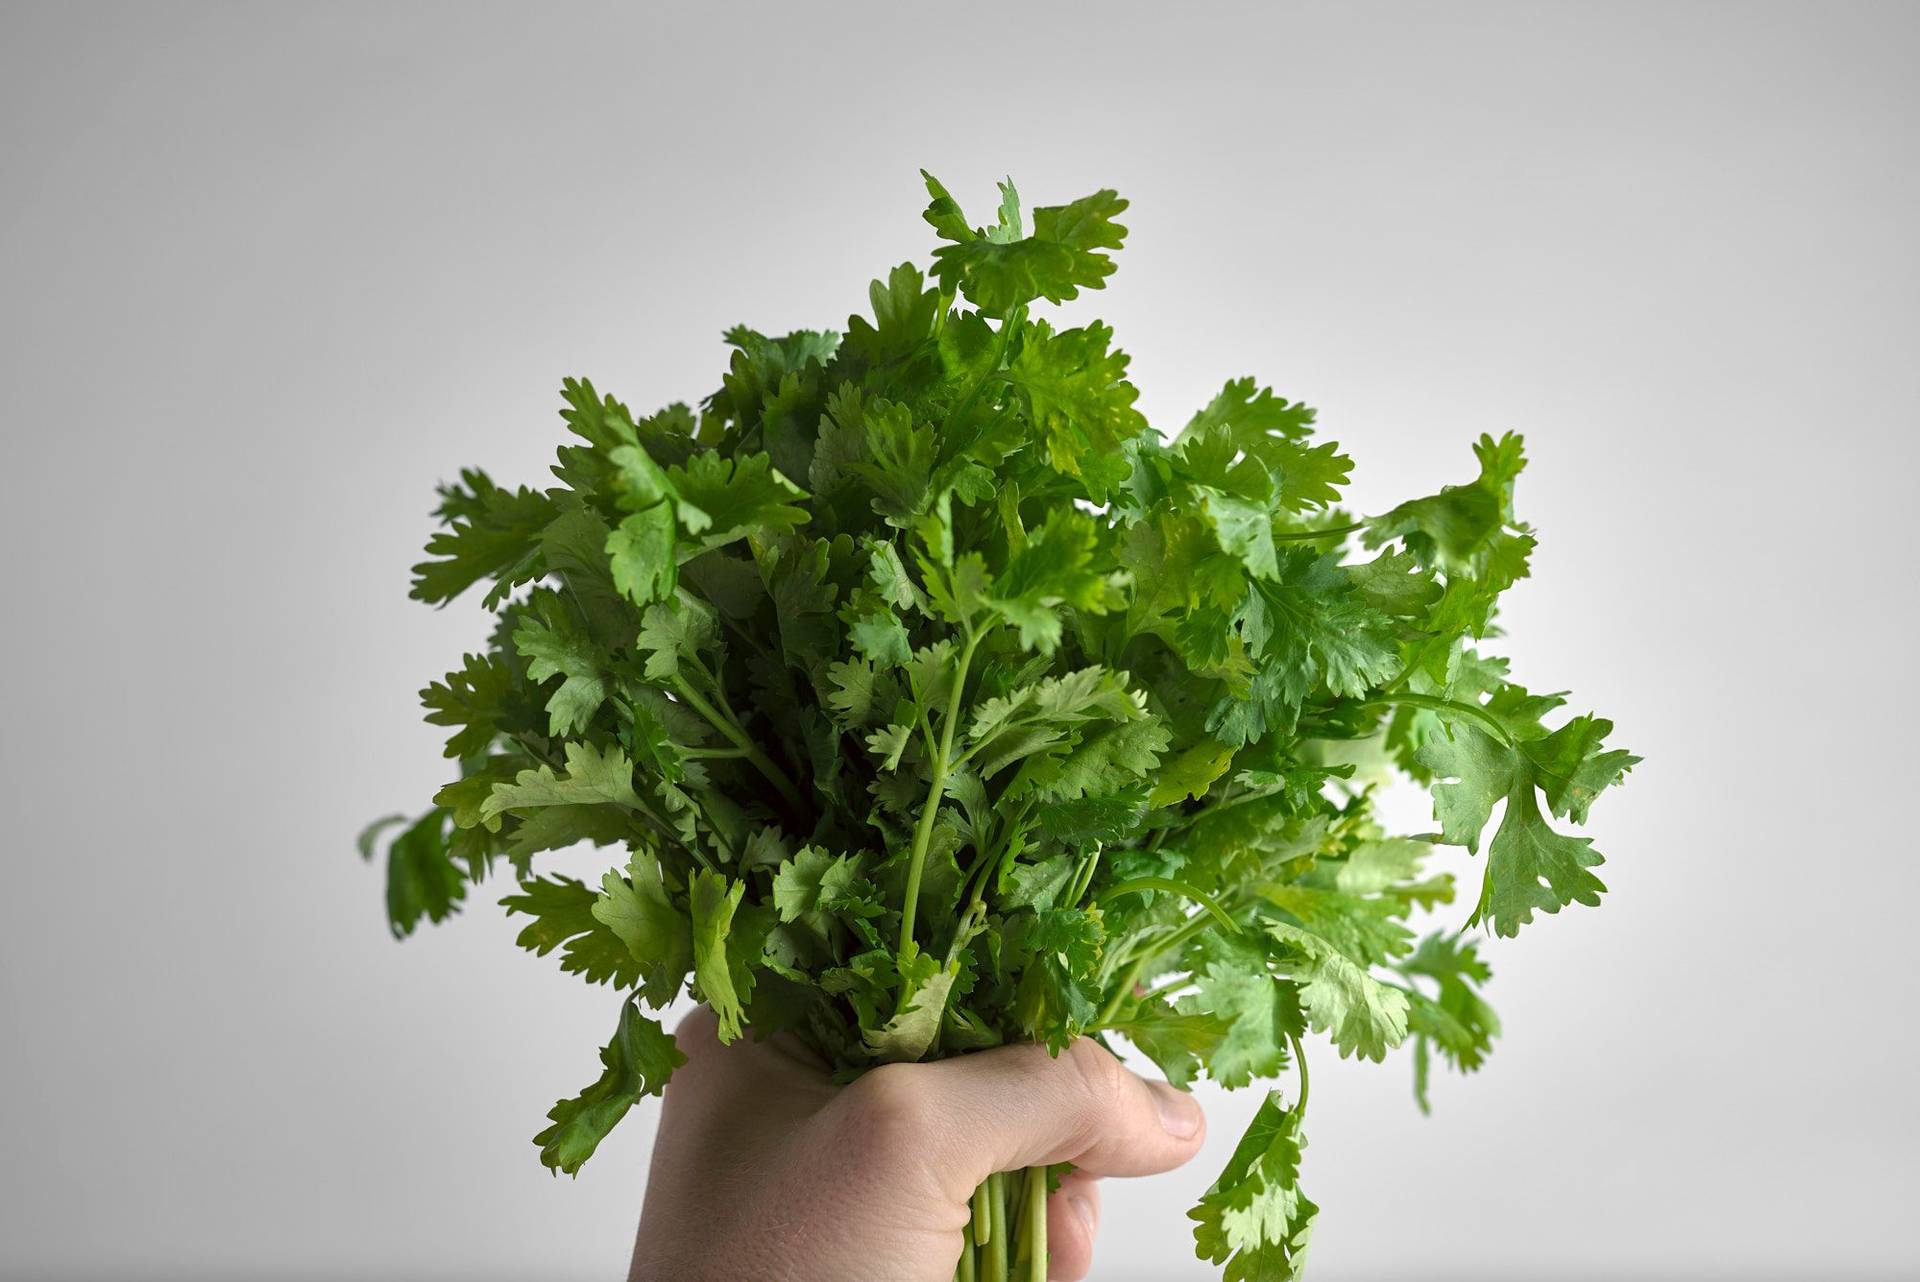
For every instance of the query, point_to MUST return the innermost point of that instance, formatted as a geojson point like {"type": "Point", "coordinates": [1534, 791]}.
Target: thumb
{"type": "Point", "coordinates": [1017, 1106]}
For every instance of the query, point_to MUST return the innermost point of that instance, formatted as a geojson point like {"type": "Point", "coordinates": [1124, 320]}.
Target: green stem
{"type": "Point", "coordinates": [973, 887]}
{"type": "Point", "coordinates": [936, 788]}
{"type": "Point", "coordinates": [1215, 807]}
{"type": "Point", "coordinates": [1036, 1227]}
{"type": "Point", "coordinates": [994, 1267]}
{"type": "Point", "coordinates": [1083, 878]}
{"type": "Point", "coordinates": [1436, 704]}
{"type": "Point", "coordinates": [1121, 991]}
{"type": "Point", "coordinates": [1300, 1062]}
{"type": "Point", "coordinates": [982, 1215]}
{"type": "Point", "coordinates": [1298, 536]}
{"type": "Point", "coordinates": [738, 737]}
{"type": "Point", "coordinates": [1170, 886]}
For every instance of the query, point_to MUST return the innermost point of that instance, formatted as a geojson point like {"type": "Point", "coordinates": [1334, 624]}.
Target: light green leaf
{"type": "Point", "coordinates": [656, 934]}
{"type": "Point", "coordinates": [714, 902]}
{"type": "Point", "coordinates": [638, 1062]}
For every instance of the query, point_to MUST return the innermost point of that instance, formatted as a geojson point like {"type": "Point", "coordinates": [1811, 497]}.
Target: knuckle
{"type": "Point", "coordinates": [887, 1103]}
{"type": "Point", "coordinates": [1103, 1080]}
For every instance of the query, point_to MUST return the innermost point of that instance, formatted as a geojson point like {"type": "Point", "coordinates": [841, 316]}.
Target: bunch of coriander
{"type": "Point", "coordinates": [928, 699]}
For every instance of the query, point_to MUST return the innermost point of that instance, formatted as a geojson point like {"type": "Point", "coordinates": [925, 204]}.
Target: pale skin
{"type": "Point", "coordinates": [764, 1169]}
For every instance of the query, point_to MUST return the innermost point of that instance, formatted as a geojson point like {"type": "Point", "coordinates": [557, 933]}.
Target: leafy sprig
{"type": "Point", "coordinates": [930, 700]}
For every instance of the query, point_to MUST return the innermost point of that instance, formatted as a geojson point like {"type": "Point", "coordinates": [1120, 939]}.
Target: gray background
{"type": "Point", "coordinates": [269, 273]}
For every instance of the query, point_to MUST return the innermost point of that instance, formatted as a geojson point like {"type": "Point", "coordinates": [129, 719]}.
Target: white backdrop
{"type": "Point", "coordinates": [268, 273]}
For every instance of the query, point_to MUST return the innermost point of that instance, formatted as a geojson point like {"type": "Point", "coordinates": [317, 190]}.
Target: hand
{"type": "Point", "coordinates": [764, 1170]}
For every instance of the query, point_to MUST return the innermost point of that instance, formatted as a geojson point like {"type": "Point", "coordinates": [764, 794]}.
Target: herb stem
{"type": "Point", "coordinates": [1122, 991]}
{"type": "Point", "coordinates": [1300, 1063]}
{"type": "Point", "coordinates": [995, 1265]}
{"type": "Point", "coordinates": [1301, 536]}
{"type": "Point", "coordinates": [1216, 807]}
{"type": "Point", "coordinates": [1035, 1233]}
{"type": "Point", "coordinates": [760, 760]}
{"type": "Point", "coordinates": [1172, 887]}
{"type": "Point", "coordinates": [936, 788]}
{"type": "Point", "coordinates": [1436, 704]}
{"type": "Point", "coordinates": [712, 754]}
{"type": "Point", "coordinates": [1084, 877]}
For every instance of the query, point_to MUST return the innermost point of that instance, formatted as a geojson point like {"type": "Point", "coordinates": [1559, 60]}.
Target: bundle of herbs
{"type": "Point", "coordinates": [929, 699]}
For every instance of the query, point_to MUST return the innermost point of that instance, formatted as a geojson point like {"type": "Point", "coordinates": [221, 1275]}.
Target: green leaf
{"type": "Point", "coordinates": [1105, 760]}
{"type": "Point", "coordinates": [714, 902]}
{"type": "Point", "coordinates": [1052, 570]}
{"type": "Point", "coordinates": [911, 1032]}
{"type": "Point", "coordinates": [421, 880]}
{"type": "Point", "coordinates": [904, 311]}
{"type": "Point", "coordinates": [1191, 773]}
{"type": "Point", "coordinates": [1179, 1045]}
{"type": "Point", "coordinates": [944, 215]}
{"type": "Point", "coordinates": [491, 533]}
{"type": "Point", "coordinates": [887, 744]}
{"type": "Point", "coordinates": [1364, 1016]}
{"type": "Point", "coordinates": [1530, 866]}
{"type": "Point", "coordinates": [641, 915]}
{"type": "Point", "coordinates": [1467, 530]}
{"type": "Point", "coordinates": [594, 776]}
{"type": "Point", "coordinates": [1259, 1011]}
{"type": "Point", "coordinates": [1077, 394]}
{"type": "Point", "coordinates": [738, 495]}
{"type": "Point", "coordinates": [1063, 255]}
{"type": "Point", "coordinates": [638, 1062]}
{"type": "Point", "coordinates": [474, 699]}
{"type": "Point", "coordinates": [1254, 1219]}
{"type": "Point", "coordinates": [1456, 1020]}
{"type": "Point", "coordinates": [563, 918]}
{"type": "Point", "coordinates": [641, 553]}
{"type": "Point", "coordinates": [555, 644]}
{"type": "Point", "coordinates": [672, 634]}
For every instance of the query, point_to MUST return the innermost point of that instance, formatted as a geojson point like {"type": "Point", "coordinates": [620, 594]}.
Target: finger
{"type": "Point", "coordinates": [1073, 1218]}
{"type": "Point", "coordinates": [1017, 1106]}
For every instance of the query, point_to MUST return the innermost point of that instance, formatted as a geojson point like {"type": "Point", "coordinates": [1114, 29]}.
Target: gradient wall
{"type": "Point", "coordinates": [268, 272]}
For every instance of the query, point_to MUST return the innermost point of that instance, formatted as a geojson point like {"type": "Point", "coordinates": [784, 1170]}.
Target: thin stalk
{"type": "Point", "coordinates": [965, 1271]}
{"type": "Point", "coordinates": [1251, 795]}
{"type": "Point", "coordinates": [1298, 536]}
{"type": "Point", "coordinates": [1168, 885]}
{"type": "Point", "coordinates": [1084, 877]}
{"type": "Point", "coordinates": [738, 737]}
{"type": "Point", "coordinates": [994, 1267]}
{"type": "Point", "coordinates": [1123, 992]}
{"type": "Point", "coordinates": [1300, 1062]}
{"type": "Point", "coordinates": [982, 1215]}
{"type": "Point", "coordinates": [1436, 704]}
{"type": "Point", "coordinates": [1036, 1229]}
{"type": "Point", "coordinates": [936, 788]}
{"type": "Point", "coordinates": [973, 887]}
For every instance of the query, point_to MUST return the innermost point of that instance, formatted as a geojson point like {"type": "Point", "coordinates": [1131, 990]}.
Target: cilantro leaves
{"type": "Point", "coordinates": [931, 700]}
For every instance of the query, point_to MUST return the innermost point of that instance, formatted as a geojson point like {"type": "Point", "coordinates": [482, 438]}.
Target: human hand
{"type": "Point", "coordinates": [764, 1170]}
